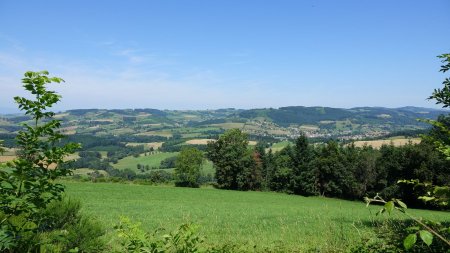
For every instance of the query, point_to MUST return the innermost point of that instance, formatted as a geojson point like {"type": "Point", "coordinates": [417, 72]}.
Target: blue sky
{"type": "Point", "coordinates": [216, 54]}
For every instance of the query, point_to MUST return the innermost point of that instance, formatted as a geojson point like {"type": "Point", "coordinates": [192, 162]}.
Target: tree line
{"type": "Point", "coordinates": [330, 169]}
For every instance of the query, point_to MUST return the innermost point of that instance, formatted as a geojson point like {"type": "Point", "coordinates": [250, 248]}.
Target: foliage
{"type": "Point", "coordinates": [442, 96]}
{"type": "Point", "coordinates": [64, 228]}
{"type": "Point", "coordinates": [438, 195]}
{"type": "Point", "coordinates": [27, 186]}
{"type": "Point", "coordinates": [134, 239]}
{"type": "Point", "coordinates": [168, 163]}
{"type": "Point", "coordinates": [188, 167]}
{"type": "Point", "coordinates": [425, 232]}
{"type": "Point", "coordinates": [231, 157]}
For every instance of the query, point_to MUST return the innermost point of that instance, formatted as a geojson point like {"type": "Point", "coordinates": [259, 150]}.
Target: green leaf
{"type": "Point", "coordinates": [400, 203]}
{"type": "Point", "coordinates": [426, 237]}
{"type": "Point", "coordinates": [409, 241]}
{"type": "Point", "coordinates": [389, 206]}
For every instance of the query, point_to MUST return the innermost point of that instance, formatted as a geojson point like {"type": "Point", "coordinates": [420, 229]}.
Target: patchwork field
{"type": "Point", "coordinates": [262, 218]}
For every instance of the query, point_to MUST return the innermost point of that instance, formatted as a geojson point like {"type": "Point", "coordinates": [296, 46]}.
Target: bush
{"type": "Point", "coordinates": [64, 228]}
{"type": "Point", "coordinates": [61, 228]}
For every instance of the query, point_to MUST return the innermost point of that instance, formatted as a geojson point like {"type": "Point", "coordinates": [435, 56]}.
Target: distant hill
{"type": "Point", "coordinates": [270, 124]}
{"type": "Point", "coordinates": [285, 116]}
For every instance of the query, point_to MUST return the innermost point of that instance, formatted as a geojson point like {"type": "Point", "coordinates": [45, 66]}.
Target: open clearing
{"type": "Point", "coordinates": [263, 218]}
{"type": "Point", "coordinates": [396, 142]}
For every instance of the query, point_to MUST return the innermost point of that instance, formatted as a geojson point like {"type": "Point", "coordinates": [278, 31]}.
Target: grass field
{"type": "Point", "coordinates": [153, 160]}
{"type": "Point", "coordinates": [262, 218]}
{"type": "Point", "coordinates": [279, 146]}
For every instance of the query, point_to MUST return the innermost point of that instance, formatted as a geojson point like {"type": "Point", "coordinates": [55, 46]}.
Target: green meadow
{"type": "Point", "coordinates": [265, 219]}
{"type": "Point", "coordinates": [152, 160]}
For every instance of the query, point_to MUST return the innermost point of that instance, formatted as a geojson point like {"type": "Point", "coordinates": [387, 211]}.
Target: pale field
{"type": "Point", "coordinates": [384, 116]}
{"type": "Point", "coordinates": [396, 142]}
{"type": "Point", "coordinates": [199, 141]}
{"type": "Point", "coordinates": [154, 145]}
{"type": "Point", "coordinates": [277, 132]}
{"type": "Point", "coordinates": [69, 130]}
{"type": "Point", "coordinates": [189, 116]}
{"type": "Point", "coordinates": [252, 127]}
{"type": "Point", "coordinates": [144, 114]}
{"type": "Point", "coordinates": [61, 115]}
{"type": "Point", "coordinates": [9, 152]}
{"type": "Point", "coordinates": [309, 127]}
{"type": "Point", "coordinates": [10, 156]}
{"type": "Point", "coordinates": [152, 125]}
{"type": "Point", "coordinates": [104, 120]}
{"type": "Point", "coordinates": [6, 158]}
{"type": "Point", "coordinates": [230, 125]}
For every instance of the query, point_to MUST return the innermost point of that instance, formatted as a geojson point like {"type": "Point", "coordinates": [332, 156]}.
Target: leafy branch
{"type": "Point", "coordinates": [426, 234]}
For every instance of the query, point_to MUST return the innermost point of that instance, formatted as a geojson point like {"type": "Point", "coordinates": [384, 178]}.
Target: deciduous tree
{"type": "Point", "coordinates": [231, 157]}
{"type": "Point", "coordinates": [188, 167]}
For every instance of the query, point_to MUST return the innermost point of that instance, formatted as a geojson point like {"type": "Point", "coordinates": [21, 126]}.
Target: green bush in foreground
{"type": "Point", "coordinates": [62, 228]}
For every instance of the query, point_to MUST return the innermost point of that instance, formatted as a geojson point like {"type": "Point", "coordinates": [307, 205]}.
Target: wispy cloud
{"type": "Point", "coordinates": [135, 79]}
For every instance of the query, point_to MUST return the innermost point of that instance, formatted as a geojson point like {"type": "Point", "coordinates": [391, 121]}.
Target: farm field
{"type": "Point", "coordinates": [263, 218]}
{"type": "Point", "coordinates": [395, 141]}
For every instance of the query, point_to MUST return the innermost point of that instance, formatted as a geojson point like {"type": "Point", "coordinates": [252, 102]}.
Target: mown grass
{"type": "Point", "coordinates": [265, 219]}
{"type": "Point", "coordinates": [152, 160]}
